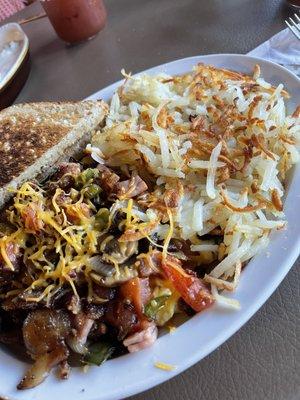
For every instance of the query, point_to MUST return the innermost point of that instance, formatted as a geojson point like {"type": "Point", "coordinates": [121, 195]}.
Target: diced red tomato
{"type": "Point", "coordinates": [192, 289]}
{"type": "Point", "coordinates": [137, 290]}
{"type": "Point", "coordinates": [31, 220]}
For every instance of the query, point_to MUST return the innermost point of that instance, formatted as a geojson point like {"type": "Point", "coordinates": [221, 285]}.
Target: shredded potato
{"type": "Point", "coordinates": [227, 138]}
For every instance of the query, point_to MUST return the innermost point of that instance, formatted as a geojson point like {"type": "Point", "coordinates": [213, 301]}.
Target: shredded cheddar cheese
{"type": "Point", "coordinates": [72, 243]}
{"type": "Point", "coordinates": [164, 366]}
{"type": "Point", "coordinates": [129, 213]}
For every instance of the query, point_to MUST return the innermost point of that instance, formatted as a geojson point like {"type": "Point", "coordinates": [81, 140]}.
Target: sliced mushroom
{"type": "Point", "coordinates": [44, 333]}
{"type": "Point", "coordinates": [45, 330]}
{"type": "Point", "coordinates": [18, 303]}
{"type": "Point", "coordinates": [100, 267]}
{"type": "Point", "coordinates": [120, 252]}
{"type": "Point", "coordinates": [42, 367]}
{"type": "Point", "coordinates": [125, 274]}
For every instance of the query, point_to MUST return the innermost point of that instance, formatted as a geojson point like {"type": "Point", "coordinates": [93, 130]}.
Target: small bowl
{"type": "Point", "coordinates": [14, 75]}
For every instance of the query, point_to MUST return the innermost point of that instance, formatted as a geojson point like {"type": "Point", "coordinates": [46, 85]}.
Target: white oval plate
{"type": "Point", "coordinates": [134, 373]}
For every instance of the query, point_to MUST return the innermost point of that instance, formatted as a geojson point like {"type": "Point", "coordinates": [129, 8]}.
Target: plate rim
{"type": "Point", "coordinates": [190, 58]}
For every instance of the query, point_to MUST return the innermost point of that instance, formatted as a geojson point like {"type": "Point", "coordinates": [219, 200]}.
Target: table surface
{"type": "Point", "coordinates": [262, 360]}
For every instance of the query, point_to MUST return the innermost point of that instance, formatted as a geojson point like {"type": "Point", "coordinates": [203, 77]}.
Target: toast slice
{"type": "Point", "coordinates": [36, 136]}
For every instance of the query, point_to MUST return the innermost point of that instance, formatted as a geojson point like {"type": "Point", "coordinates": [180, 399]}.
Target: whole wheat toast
{"type": "Point", "coordinates": [35, 136]}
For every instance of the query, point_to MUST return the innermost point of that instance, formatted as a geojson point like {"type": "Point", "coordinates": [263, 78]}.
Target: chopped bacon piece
{"type": "Point", "coordinates": [142, 230]}
{"type": "Point", "coordinates": [126, 312]}
{"type": "Point", "coordinates": [30, 218]}
{"type": "Point", "coordinates": [107, 177]}
{"type": "Point", "coordinates": [63, 198]}
{"type": "Point", "coordinates": [142, 339]}
{"type": "Point", "coordinates": [76, 213]}
{"type": "Point", "coordinates": [70, 168]}
{"type": "Point", "coordinates": [83, 324]}
{"type": "Point", "coordinates": [130, 188]}
{"type": "Point", "coordinates": [172, 198]}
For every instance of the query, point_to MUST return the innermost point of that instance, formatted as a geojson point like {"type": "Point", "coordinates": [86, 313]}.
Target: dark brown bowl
{"type": "Point", "coordinates": [15, 78]}
{"type": "Point", "coordinates": [13, 87]}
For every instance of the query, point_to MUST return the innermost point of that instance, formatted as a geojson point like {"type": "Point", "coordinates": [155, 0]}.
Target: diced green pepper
{"type": "Point", "coordinates": [91, 191]}
{"type": "Point", "coordinates": [87, 176]}
{"type": "Point", "coordinates": [102, 218]}
{"type": "Point", "coordinates": [98, 353]}
{"type": "Point", "coordinates": [154, 306]}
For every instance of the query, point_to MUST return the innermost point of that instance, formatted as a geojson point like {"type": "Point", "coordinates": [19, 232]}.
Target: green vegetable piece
{"type": "Point", "coordinates": [90, 173]}
{"type": "Point", "coordinates": [154, 306]}
{"type": "Point", "coordinates": [98, 353]}
{"type": "Point", "coordinates": [87, 176]}
{"type": "Point", "coordinates": [102, 218]}
{"type": "Point", "coordinates": [92, 191]}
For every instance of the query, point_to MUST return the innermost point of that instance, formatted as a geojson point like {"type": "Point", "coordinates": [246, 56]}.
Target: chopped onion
{"type": "Point", "coordinates": [205, 247]}
{"type": "Point", "coordinates": [198, 216]}
{"type": "Point", "coordinates": [210, 182]}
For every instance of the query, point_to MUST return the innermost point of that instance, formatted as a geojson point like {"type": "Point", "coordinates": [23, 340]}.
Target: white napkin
{"type": "Point", "coordinates": [283, 48]}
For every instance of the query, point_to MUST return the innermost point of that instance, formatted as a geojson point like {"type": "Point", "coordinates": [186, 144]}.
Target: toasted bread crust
{"type": "Point", "coordinates": [34, 136]}
{"type": "Point", "coordinates": [21, 145]}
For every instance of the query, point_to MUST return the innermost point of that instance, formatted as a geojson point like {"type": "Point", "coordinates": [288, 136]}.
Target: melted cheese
{"type": "Point", "coordinates": [164, 366]}
{"type": "Point", "coordinates": [74, 244]}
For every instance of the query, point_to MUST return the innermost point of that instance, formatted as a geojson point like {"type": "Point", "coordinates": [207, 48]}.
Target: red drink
{"type": "Point", "coordinates": [76, 20]}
